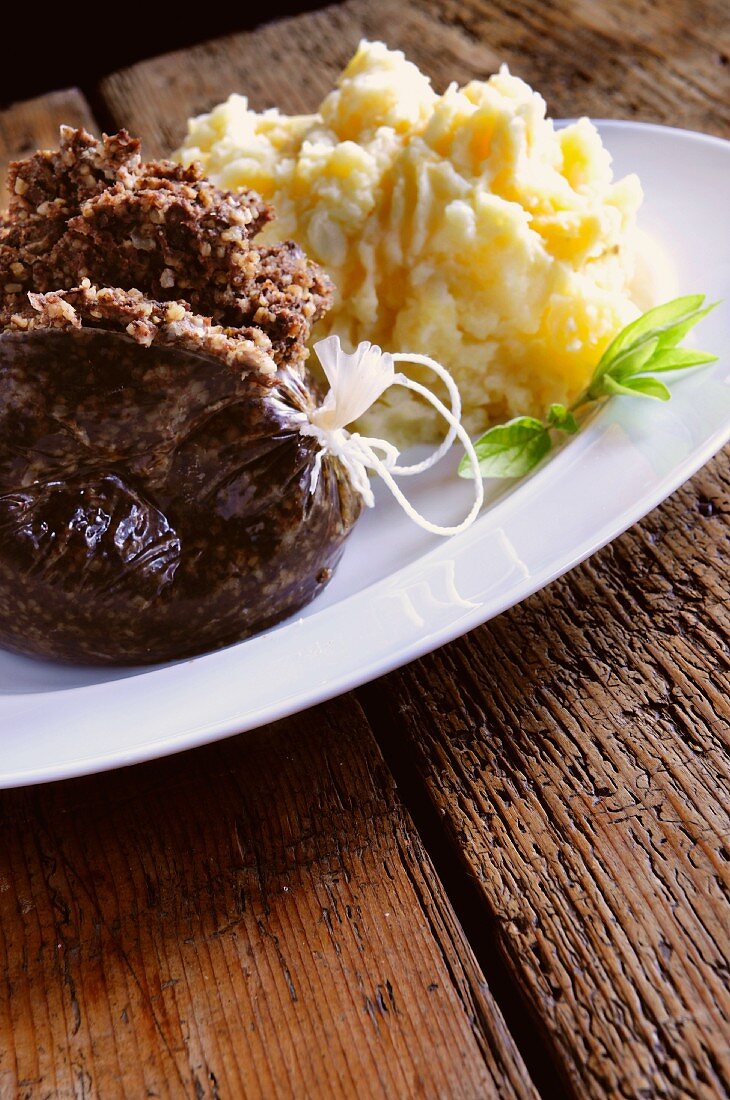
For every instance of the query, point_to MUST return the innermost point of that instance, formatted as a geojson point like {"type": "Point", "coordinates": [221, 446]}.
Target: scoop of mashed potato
{"type": "Point", "coordinates": [463, 226]}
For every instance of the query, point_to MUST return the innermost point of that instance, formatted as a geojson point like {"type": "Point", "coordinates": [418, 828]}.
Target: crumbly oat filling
{"type": "Point", "coordinates": [96, 237]}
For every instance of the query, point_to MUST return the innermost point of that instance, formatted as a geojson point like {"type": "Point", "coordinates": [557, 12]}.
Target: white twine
{"type": "Point", "coordinates": [356, 382]}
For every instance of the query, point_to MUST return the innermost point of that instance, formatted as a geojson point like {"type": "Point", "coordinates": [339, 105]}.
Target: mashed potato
{"type": "Point", "coordinates": [460, 225]}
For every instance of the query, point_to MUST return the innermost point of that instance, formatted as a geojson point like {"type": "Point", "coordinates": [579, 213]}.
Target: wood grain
{"type": "Point", "coordinates": [577, 746]}
{"type": "Point", "coordinates": [254, 919]}
{"type": "Point", "coordinates": [664, 61]}
{"type": "Point", "coordinates": [578, 749]}
{"type": "Point", "coordinates": [32, 125]}
{"type": "Point", "coordinates": [290, 64]}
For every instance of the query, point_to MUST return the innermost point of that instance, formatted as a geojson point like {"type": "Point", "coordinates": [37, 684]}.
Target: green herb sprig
{"type": "Point", "coordinates": [628, 366]}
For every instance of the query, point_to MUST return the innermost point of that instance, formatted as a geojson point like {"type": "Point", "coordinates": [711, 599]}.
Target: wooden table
{"type": "Point", "coordinates": [499, 872]}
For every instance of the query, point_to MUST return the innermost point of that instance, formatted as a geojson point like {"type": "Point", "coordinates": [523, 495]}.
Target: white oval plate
{"type": "Point", "coordinates": [400, 593]}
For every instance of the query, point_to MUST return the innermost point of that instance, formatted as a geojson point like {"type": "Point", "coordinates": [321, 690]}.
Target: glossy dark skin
{"type": "Point", "coordinates": [153, 503]}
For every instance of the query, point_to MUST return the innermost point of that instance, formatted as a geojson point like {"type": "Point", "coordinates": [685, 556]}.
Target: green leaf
{"type": "Point", "coordinates": [511, 449]}
{"type": "Point", "coordinates": [643, 386]}
{"type": "Point", "coordinates": [651, 323]}
{"type": "Point", "coordinates": [670, 336]}
{"type": "Point", "coordinates": [632, 360]}
{"type": "Point", "coordinates": [562, 419]}
{"type": "Point", "coordinates": [681, 359]}
{"type": "Point", "coordinates": [666, 324]}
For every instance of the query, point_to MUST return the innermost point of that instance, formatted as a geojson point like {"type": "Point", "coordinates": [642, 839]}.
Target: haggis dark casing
{"type": "Point", "coordinates": [155, 490]}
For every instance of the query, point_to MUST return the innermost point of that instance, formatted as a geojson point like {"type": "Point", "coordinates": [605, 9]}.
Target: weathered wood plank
{"type": "Point", "coordinates": [290, 64]}
{"type": "Point", "coordinates": [655, 60]}
{"type": "Point", "coordinates": [256, 919]}
{"type": "Point", "coordinates": [578, 55]}
{"type": "Point", "coordinates": [573, 746]}
{"type": "Point", "coordinates": [34, 124]}
{"type": "Point", "coordinates": [577, 747]}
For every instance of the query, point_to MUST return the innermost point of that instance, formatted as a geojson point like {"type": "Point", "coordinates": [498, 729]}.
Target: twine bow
{"type": "Point", "coordinates": [356, 381]}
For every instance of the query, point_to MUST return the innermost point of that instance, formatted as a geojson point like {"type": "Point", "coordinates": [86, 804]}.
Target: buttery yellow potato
{"type": "Point", "coordinates": [463, 226]}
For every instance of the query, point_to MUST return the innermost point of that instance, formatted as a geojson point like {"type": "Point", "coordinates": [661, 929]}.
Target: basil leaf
{"type": "Point", "coordinates": [643, 386]}
{"type": "Point", "coordinates": [680, 359]}
{"type": "Point", "coordinates": [672, 334]}
{"type": "Point", "coordinates": [632, 360]}
{"type": "Point", "coordinates": [651, 323]}
{"type": "Point", "coordinates": [511, 449]}
{"type": "Point", "coordinates": [562, 419]}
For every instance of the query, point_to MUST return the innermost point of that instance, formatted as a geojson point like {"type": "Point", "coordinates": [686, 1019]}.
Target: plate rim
{"type": "Point", "coordinates": [348, 679]}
